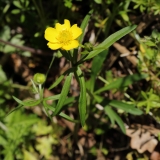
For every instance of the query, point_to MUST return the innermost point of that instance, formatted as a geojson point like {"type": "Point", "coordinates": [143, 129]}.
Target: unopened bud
{"type": "Point", "coordinates": [39, 78]}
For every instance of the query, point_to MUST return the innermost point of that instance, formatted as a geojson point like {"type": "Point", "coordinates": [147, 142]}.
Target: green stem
{"type": "Point", "coordinates": [50, 65]}
{"type": "Point", "coordinates": [20, 86]}
{"type": "Point", "coordinates": [75, 56]}
{"type": "Point", "coordinates": [71, 58]}
{"type": "Point", "coordinates": [40, 91]}
{"type": "Point", "coordinates": [103, 80]}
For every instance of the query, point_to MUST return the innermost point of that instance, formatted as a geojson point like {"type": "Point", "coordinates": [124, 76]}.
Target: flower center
{"type": "Point", "coordinates": [65, 37]}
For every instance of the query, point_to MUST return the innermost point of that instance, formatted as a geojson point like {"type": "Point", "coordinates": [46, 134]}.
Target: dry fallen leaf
{"type": "Point", "coordinates": [155, 156]}
{"type": "Point", "coordinates": [143, 138]}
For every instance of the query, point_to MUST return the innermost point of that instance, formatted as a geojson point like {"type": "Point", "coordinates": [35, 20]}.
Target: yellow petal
{"type": "Point", "coordinates": [51, 34]}
{"type": "Point", "coordinates": [73, 44]}
{"type": "Point", "coordinates": [54, 46]}
{"type": "Point", "coordinates": [76, 31]}
{"type": "Point", "coordinates": [67, 24]}
{"type": "Point", "coordinates": [61, 27]}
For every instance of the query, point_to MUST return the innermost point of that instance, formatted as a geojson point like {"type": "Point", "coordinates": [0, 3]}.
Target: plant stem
{"type": "Point", "coordinates": [50, 65]}
{"type": "Point", "coordinates": [40, 91]}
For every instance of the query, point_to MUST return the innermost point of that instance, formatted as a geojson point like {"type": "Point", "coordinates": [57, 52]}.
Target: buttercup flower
{"type": "Point", "coordinates": [63, 36]}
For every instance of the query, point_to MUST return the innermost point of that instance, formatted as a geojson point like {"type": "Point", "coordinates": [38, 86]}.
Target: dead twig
{"type": "Point", "coordinates": [25, 48]}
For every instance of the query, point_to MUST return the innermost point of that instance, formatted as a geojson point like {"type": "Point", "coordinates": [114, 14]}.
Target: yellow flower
{"type": "Point", "coordinates": [63, 36]}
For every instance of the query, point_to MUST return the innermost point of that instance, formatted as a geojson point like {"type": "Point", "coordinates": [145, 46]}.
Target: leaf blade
{"type": "Point", "coordinates": [82, 104]}
{"type": "Point", "coordinates": [84, 25]}
{"type": "Point", "coordinates": [63, 115]}
{"type": "Point", "coordinates": [130, 108]}
{"type": "Point", "coordinates": [115, 117]}
{"type": "Point", "coordinates": [110, 40]}
{"type": "Point", "coordinates": [122, 82]}
{"type": "Point", "coordinates": [99, 59]}
{"type": "Point", "coordinates": [63, 94]}
{"type": "Point", "coordinates": [29, 103]}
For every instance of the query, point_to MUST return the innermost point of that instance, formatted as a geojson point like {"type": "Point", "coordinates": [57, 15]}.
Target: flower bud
{"type": "Point", "coordinates": [39, 78]}
{"type": "Point", "coordinates": [88, 47]}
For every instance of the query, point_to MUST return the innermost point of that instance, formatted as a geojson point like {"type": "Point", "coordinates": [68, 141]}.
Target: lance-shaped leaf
{"type": "Point", "coordinates": [130, 108]}
{"type": "Point", "coordinates": [18, 107]}
{"type": "Point", "coordinates": [29, 103]}
{"type": "Point", "coordinates": [80, 39]}
{"type": "Point", "coordinates": [56, 82]}
{"type": "Point", "coordinates": [84, 25]}
{"type": "Point", "coordinates": [63, 94]}
{"type": "Point", "coordinates": [99, 59]}
{"type": "Point", "coordinates": [82, 99]}
{"type": "Point", "coordinates": [114, 117]}
{"type": "Point", "coordinates": [109, 41]}
{"type": "Point", "coordinates": [63, 115]}
{"type": "Point", "coordinates": [60, 78]}
{"type": "Point", "coordinates": [55, 97]}
{"type": "Point", "coordinates": [122, 82]}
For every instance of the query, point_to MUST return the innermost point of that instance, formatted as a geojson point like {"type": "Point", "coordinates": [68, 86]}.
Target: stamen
{"type": "Point", "coordinates": [65, 37]}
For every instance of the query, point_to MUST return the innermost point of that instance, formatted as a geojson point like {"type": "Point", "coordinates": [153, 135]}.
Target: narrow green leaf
{"type": "Point", "coordinates": [46, 110]}
{"type": "Point", "coordinates": [84, 25]}
{"type": "Point", "coordinates": [109, 41]}
{"type": "Point", "coordinates": [99, 59]}
{"type": "Point", "coordinates": [130, 108]}
{"type": "Point", "coordinates": [65, 54]}
{"type": "Point", "coordinates": [56, 82]}
{"type": "Point", "coordinates": [63, 94]}
{"type": "Point", "coordinates": [98, 98]}
{"type": "Point", "coordinates": [55, 97]}
{"type": "Point", "coordinates": [82, 99]}
{"type": "Point", "coordinates": [18, 101]}
{"type": "Point", "coordinates": [69, 100]}
{"type": "Point", "coordinates": [32, 103]}
{"type": "Point", "coordinates": [63, 115]}
{"type": "Point", "coordinates": [60, 78]}
{"type": "Point", "coordinates": [115, 117]}
{"type": "Point", "coordinates": [122, 82]}
{"type": "Point", "coordinates": [34, 86]}
{"type": "Point", "coordinates": [18, 107]}
{"type": "Point", "coordinates": [29, 103]}
{"type": "Point", "coordinates": [80, 39]}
